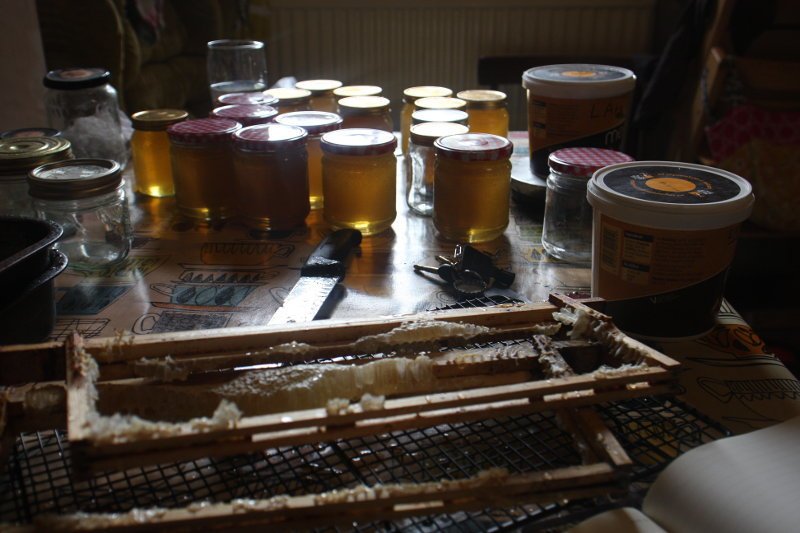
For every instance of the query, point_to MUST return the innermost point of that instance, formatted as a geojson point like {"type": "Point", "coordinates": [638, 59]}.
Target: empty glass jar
{"type": "Point", "coordinates": [422, 155]}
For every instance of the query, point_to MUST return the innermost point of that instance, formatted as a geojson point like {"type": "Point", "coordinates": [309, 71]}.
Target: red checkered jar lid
{"type": "Point", "coordinates": [582, 162]}
{"type": "Point", "coordinates": [269, 138]}
{"type": "Point", "coordinates": [247, 115]}
{"type": "Point", "coordinates": [474, 147]}
{"type": "Point", "coordinates": [314, 122]}
{"type": "Point", "coordinates": [253, 98]}
{"type": "Point", "coordinates": [358, 141]}
{"type": "Point", "coordinates": [203, 130]}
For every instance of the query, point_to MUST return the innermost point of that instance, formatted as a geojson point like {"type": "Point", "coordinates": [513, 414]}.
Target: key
{"type": "Point", "coordinates": [444, 271]}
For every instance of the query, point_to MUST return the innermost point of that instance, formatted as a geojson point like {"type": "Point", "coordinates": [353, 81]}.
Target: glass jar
{"type": "Point", "coordinates": [359, 179]}
{"type": "Point", "coordinates": [422, 155]}
{"type": "Point", "coordinates": [471, 186]}
{"type": "Point", "coordinates": [439, 115]}
{"type": "Point", "coordinates": [488, 111]}
{"type": "Point", "coordinates": [366, 112]}
{"type": "Point", "coordinates": [202, 167]}
{"type": "Point", "coordinates": [271, 171]}
{"type": "Point", "coordinates": [87, 198]}
{"type": "Point", "coordinates": [316, 123]}
{"type": "Point", "coordinates": [82, 104]}
{"type": "Point", "coordinates": [254, 98]}
{"type": "Point", "coordinates": [409, 96]}
{"type": "Point", "coordinates": [246, 114]}
{"type": "Point", "coordinates": [18, 156]}
{"type": "Point", "coordinates": [150, 150]}
{"type": "Point", "coordinates": [322, 97]}
{"type": "Point", "coordinates": [357, 90]}
{"type": "Point", "coordinates": [567, 230]}
{"type": "Point", "coordinates": [290, 100]}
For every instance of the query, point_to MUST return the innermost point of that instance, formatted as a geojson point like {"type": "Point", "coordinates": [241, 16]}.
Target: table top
{"type": "Point", "coordinates": [182, 275]}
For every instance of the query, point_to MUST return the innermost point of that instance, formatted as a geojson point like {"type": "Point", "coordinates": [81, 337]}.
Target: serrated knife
{"type": "Point", "coordinates": [320, 274]}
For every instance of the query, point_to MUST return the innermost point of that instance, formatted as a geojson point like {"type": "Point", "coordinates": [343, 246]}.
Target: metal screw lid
{"type": "Point", "coordinates": [21, 154]}
{"type": "Point", "coordinates": [474, 147]}
{"type": "Point", "coordinates": [483, 99]}
{"type": "Point", "coordinates": [76, 78]}
{"type": "Point", "coordinates": [582, 162]}
{"type": "Point", "coordinates": [359, 105]}
{"type": "Point", "coordinates": [440, 102]}
{"type": "Point", "coordinates": [157, 119]}
{"type": "Point", "coordinates": [75, 178]}
{"type": "Point", "coordinates": [247, 115]}
{"type": "Point", "coordinates": [357, 90]}
{"type": "Point", "coordinates": [414, 93]}
{"type": "Point", "coordinates": [427, 132]}
{"type": "Point", "coordinates": [288, 96]}
{"type": "Point", "coordinates": [203, 130]}
{"type": "Point", "coordinates": [358, 141]}
{"type": "Point", "coordinates": [318, 87]}
{"type": "Point", "coordinates": [314, 122]}
{"type": "Point", "coordinates": [439, 115]}
{"type": "Point", "coordinates": [251, 98]}
{"type": "Point", "coordinates": [269, 138]}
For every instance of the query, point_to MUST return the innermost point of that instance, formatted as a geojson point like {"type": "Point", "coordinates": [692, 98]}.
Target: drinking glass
{"type": "Point", "coordinates": [236, 66]}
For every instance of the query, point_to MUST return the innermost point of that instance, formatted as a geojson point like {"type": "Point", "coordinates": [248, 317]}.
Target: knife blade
{"type": "Point", "coordinates": [319, 276]}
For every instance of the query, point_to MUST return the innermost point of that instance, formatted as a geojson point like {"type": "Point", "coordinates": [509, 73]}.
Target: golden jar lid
{"type": "Point", "coordinates": [357, 90]}
{"type": "Point", "coordinates": [427, 132]}
{"type": "Point", "coordinates": [439, 102]}
{"type": "Point", "coordinates": [363, 104]}
{"type": "Point", "coordinates": [20, 154]}
{"type": "Point", "coordinates": [157, 119]}
{"type": "Point", "coordinates": [74, 179]}
{"type": "Point", "coordinates": [483, 98]}
{"type": "Point", "coordinates": [318, 87]}
{"type": "Point", "coordinates": [424, 91]}
{"type": "Point", "coordinates": [289, 96]}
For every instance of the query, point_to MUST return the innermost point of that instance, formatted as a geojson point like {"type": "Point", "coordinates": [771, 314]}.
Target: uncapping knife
{"type": "Point", "coordinates": [320, 274]}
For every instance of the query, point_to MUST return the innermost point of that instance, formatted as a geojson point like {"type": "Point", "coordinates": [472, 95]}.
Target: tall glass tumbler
{"type": "Point", "coordinates": [236, 66]}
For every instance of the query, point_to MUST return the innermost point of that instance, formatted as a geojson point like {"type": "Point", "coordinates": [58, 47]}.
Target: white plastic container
{"type": "Point", "coordinates": [664, 236]}
{"type": "Point", "coordinates": [576, 105]}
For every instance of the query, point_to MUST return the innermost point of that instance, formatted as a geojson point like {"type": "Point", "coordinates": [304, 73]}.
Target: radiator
{"type": "Point", "coordinates": [398, 44]}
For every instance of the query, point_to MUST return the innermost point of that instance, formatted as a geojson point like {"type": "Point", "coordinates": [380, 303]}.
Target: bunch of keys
{"type": "Point", "coordinates": [469, 272]}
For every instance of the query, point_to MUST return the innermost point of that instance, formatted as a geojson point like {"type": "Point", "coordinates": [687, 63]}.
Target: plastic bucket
{"type": "Point", "coordinates": [576, 105]}
{"type": "Point", "coordinates": [664, 236]}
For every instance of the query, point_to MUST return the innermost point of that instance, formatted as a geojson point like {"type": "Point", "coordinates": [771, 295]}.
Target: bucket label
{"type": "Point", "coordinates": [671, 184]}
{"type": "Point", "coordinates": [555, 123]}
{"type": "Point", "coordinates": [634, 261]}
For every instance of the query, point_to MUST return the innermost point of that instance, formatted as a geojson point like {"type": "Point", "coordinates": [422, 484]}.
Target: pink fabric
{"type": "Point", "coordinates": [746, 123]}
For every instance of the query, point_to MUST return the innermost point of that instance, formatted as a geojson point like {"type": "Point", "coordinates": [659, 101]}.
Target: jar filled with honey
{"type": "Point", "coordinates": [246, 114]}
{"type": "Point", "coordinates": [357, 90]}
{"type": "Point", "coordinates": [472, 184]}
{"type": "Point", "coordinates": [316, 123]}
{"type": "Point", "coordinates": [366, 112]}
{"type": "Point", "coordinates": [150, 146]}
{"type": "Point", "coordinates": [271, 176]}
{"type": "Point", "coordinates": [359, 179]}
{"type": "Point", "coordinates": [421, 153]}
{"type": "Point", "coordinates": [322, 97]}
{"type": "Point", "coordinates": [290, 100]}
{"type": "Point", "coordinates": [410, 95]}
{"type": "Point", "coordinates": [18, 156]}
{"type": "Point", "coordinates": [202, 167]}
{"type": "Point", "coordinates": [488, 111]}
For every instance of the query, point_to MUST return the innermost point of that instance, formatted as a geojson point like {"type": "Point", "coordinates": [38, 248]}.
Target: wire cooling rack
{"type": "Point", "coordinates": [654, 431]}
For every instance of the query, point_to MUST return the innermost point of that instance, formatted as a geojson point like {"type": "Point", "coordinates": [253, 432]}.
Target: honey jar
{"type": "Point", "coordinates": [150, 146]}
{"type": "Point", "coordinates": [271, 170]}
{"type": "Point", "coordinates": [472, 184]}
{"type": "Point", "coordinates": [202, 167]}
{"type": "Point", "coordinates": [359, 179]}
{"type": "Point", "coordinates": [410, 95]}
{"type": "Point", "coordinates": [290, 100]}
{"type": "Point", "coordinates": [316, 123]}
{"type": "Point", "coordinates": [322, 97]}
{"type": "Point", "coordinates": [366, 112]}
{"type": "Point", "coordinates": [246, 114]}
{"type": "Point", "coordinates": [487, 110]}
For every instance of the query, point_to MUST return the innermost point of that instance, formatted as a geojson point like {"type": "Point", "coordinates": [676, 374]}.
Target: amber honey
{"type": "Point", "coordinates": [150, 147]}
{"type": "Point", "coordinates": [202, 167]}
{"type": "Point", "coordinates": [487, 110]}
{"type": "Point", "coordinates": [359, 179]}
{"type": "Point", "coordinates": [472, 184]}
{"type": "Point", "coordinates": [410, 95]}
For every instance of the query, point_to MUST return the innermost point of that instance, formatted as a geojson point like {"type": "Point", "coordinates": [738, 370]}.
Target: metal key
{"type": "Point", "coordinates": [444, 271]}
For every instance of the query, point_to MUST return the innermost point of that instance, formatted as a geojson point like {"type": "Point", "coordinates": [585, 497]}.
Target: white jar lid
{"type": "Point", "coordinates": [580, 81]}
{"type": "Point", "coordinates": [670, 195]}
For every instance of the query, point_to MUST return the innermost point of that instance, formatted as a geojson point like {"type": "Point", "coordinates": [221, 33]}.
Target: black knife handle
{"type": "Point", "coordinates": [328, 257]}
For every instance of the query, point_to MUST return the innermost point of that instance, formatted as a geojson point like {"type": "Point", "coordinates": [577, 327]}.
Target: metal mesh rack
{"type": "Point", "coordinates": [654, 431]}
